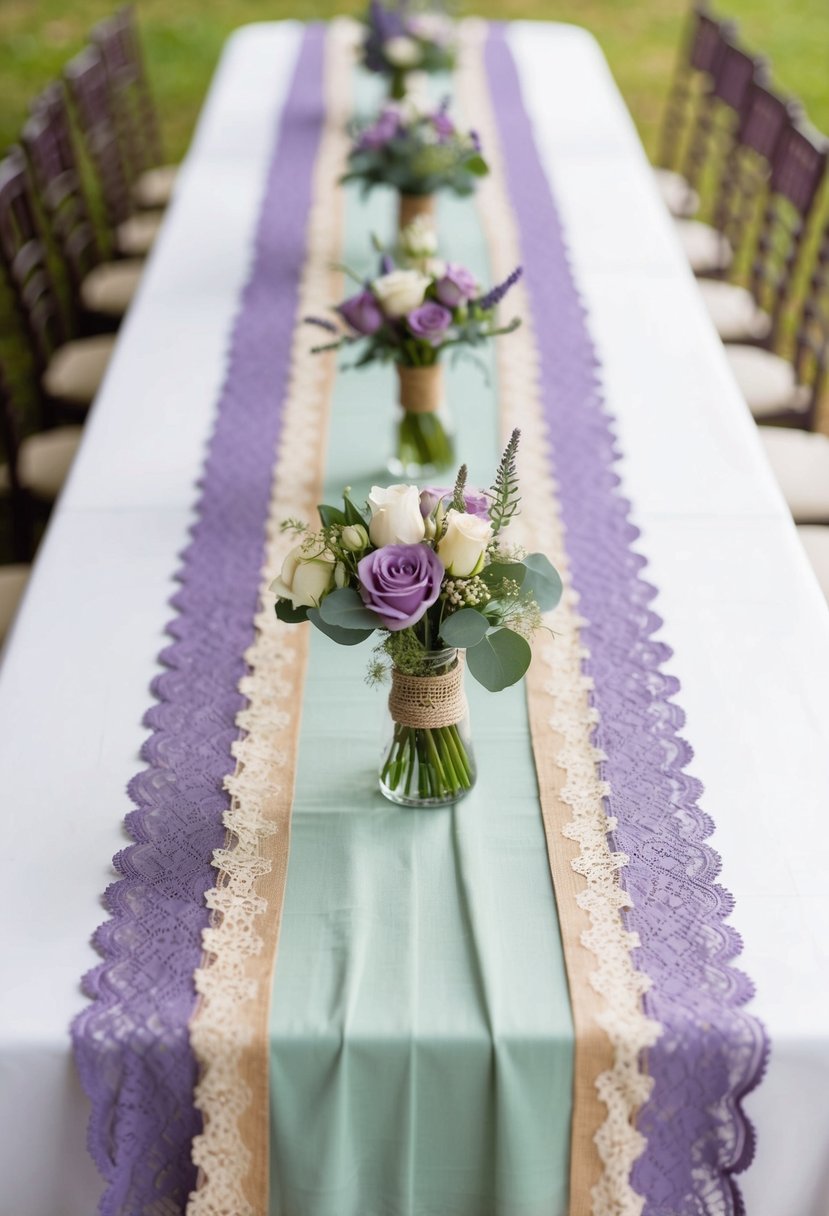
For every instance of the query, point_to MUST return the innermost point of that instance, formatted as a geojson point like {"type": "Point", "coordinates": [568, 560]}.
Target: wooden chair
{"type": "Point", "coordinates": [690, 114]}
{"type": "Point", "coordinates": [132, 105]}
{"type": "Point", "coordinates": [780, 389]}
{"type": "Point", "coordinates": [102, 290]}
{"type": "Point", "coordinates": [744, 189]}
{"type": "Point", "coordinates": [86, 79]}
{"type": "Point", "coordinates": [708, 247]}
{"type": "Point", "coordinates": [70, 368]}
{"type": "Point", "coordinates": [34, 471]}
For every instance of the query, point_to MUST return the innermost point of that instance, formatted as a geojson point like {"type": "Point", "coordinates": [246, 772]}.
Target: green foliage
{"type": "Point", "coordinates": [465, 628]}
{"type": "Point", "coordinates": [343, 637]}
{"type": "Point", "coordinates": [505, 489]}
{"type": "Point", "coordinates": [344, 609]}
{"type": "Point", "coordinates": [285, 611]}
{"type": "Point", "coordinates": [458, 499]}
{"type": "Point", "coordinates": [499, 660]}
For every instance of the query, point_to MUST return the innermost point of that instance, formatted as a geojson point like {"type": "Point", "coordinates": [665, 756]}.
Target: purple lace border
{"type": "Point", "coordinates": [711, 1052]}
{"type": "Point", "coordinates": [131, 1044]}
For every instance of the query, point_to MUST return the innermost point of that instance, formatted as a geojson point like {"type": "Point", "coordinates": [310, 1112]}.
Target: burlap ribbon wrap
{"type": "Point", "coordinates": [413, 205]}
{"type": "Point", "coordinates": [428, 702]}
{"type": "Point", "coordinates": [421, 388]}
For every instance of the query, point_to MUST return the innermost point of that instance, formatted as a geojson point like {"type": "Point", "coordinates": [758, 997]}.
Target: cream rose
{"type": "Point", "coordinates": [419, 239]}
{"type": "Point", "coordinates": [395, 516]}
{"type": "Point", "coordinates": [400, 291]}
{"type": "Point", "coordinates": [402, 52]}
{"type": "Point", "coordinates": [307, 575]}
{"type": "Point", "coordinates": [463, 546]}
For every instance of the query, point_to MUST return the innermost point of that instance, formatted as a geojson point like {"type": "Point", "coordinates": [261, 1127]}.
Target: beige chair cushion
{"type": "Point", "coordinates": [800, 461]}
{"type": "Point", "coordinates": [109, 288]}
{"type": "Point", "coordinates": [767, 381]}
{"type": "Point", "coordinates": [134, 238]}
{"type": "Point", "coordinates": [708, 251]}
{"type": "Point", "coordinates": [76, 369]}
{"type": "Point", "coordinates": [155, 187]}
{"type": "Point", "coordinates": [816, 543]}
{"type": "Point", "coordinates": [13, 581]}
{"type": "Point", "coordinates": [681, 199]}
{"type": "Point", "coordinates": [733, 311]}
{"type": "Point", "coordinates": [45, 460]}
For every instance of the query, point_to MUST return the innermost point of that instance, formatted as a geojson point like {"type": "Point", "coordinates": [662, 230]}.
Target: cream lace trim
{"type": "Point", "coordinates": [233, 980]}
{"type": "Point", "coordinates": [624, 1087]}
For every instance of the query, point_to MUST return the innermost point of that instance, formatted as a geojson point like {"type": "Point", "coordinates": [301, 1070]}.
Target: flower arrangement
{"type": "Point", "coordinates": [418, 152]}
{"type": "Point", "coordinates": [412, 317]}
{"type": "Point", "coordinates": [398, 41]}
{"type": "Point", "coordinates": [431, 572]}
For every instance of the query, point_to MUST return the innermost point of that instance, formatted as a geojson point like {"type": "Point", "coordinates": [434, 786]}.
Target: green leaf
{"type": "Point", "coordinates": [344, 609]}
{"type": "Point", "coordinates": [343, 637]}
{"type": "Point", "coordinates": [464, 628]}
{"type": "Point", "coordinates": [285, 611]}
{"type": "Point", "coordinates": [499, 660]}
{"type": "Point", "coordinates": [477, 165]}
{"type": "Point", "coordinates": [330, 515]}
{"type": "Point", "coordinates": [542, 581]}
{"type": "Point", "coordinates": [352, 515]}
{"type": "Point", "coordinates": [496, 572]}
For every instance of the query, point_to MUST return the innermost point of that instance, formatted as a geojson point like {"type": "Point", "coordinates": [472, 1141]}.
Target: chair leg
{"type": "Point", "coordinates": [22, 521]}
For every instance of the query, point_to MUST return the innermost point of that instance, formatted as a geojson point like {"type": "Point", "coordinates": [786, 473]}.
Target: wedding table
{"type": "Point", "coordinates": [742, 613]}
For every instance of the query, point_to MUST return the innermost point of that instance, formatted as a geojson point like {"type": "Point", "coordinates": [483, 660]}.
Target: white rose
{"type": "Point", "coordinates": [400, 291]}
{"type": "Point", "coordinates": [464, 543]}
{"type": "Point", "coordinates": [395, 516]}
{"type": "Point", "coordinates": [419, 239]}
{"type": "Point", "coordinates": [402, 52]}
{"type": "Point", "coordinates": [307, 574]}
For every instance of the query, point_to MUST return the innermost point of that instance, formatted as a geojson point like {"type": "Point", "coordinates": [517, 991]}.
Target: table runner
{"type": "Point", "coordinates": [506, 103]}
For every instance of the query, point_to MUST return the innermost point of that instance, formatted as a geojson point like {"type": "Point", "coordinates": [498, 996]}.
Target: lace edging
{"type": "Point", "coordinates": [624, 1087]}
{"type": "Point", "coordinates": [230, 980]}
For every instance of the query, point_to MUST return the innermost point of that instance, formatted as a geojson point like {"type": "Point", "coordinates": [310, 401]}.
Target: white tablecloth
{"type": "Point", "coordinates": [742, 610]}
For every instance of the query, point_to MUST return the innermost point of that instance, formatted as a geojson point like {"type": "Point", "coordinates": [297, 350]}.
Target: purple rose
{"type": "Point", "coordinates": [381, 132]}
{"type": "Point", "coordinates": [443, 125]}
{"type": "Point", "coordinates": [362, 312]}
{"type": "Point", "coordinates": [430, 322]}
{"type": "Point", "coordinates": [399, 582]}
{"type": "Point", "coordinates": [456, 286]}
{"type": "Point", "coordinates": [476, 502]}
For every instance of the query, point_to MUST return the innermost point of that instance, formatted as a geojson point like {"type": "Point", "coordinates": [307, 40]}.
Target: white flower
{"type": "Point", "coordinates": [463, 546]}
{"type": "Point", "coordinates": [419, 239]}
{"type": "Point", "coordinates": [400, 291]}
{"type": "Point", "coordinates": [354, 538]}
{"type": "Point", "coordinates": [395, 516]}
{"type": "Point", "coordinates": [307, 575]}
{"type": "Point", "coordinates": [402, 52]}
{"type": "Point", "coordinates": [431, 27]}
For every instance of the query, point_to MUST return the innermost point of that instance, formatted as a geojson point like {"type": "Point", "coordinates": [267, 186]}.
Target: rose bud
{"type": "Point", "coordinates": [462, 548]}
{"type": "Point", "coordinates": [354, 538]}
{"type": "Point", "coordinates": [307, 575]}
{"type": "Point", "coordinates": [395, 516]}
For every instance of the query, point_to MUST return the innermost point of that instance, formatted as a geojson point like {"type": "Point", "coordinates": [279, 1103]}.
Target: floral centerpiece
{"type": "Point", "coordinates": [399, 41]}
{"type": "Point", "coordinates": [418, 152]}
{"type": "Point", "coordinates": [413, 317]}
{"type": "Point", "coordinates": [430, 571]}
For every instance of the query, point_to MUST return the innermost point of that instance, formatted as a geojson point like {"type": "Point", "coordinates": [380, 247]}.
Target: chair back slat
{"type": "Point", "coordinates": [87, 82]}
{"type": "Point", "coordinates": [118, 42]}
{"type": "Point", "coordinates": [799, 168]}
{"type": "Point", "coordinates": [48, 145]}
{"type": "Point", "coordinates": [811, 357]}
{"type": "Point", "coordinates": [24, 258]}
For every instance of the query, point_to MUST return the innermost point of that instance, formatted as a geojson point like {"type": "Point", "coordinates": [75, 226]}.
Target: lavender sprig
{"type": "Point", "coordinates": [323, 323]}
{"type": "Point", "coordinates": [496, 294]}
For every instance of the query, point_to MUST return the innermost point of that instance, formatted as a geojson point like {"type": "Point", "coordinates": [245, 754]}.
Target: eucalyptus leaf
{"type": "Point", "coordinates": [345, 610]}
{"type": "Point", "coordinates": [476, 165]}
{"type": "Point", "coordinates": [496, 572]}
{"type": "Point", "coordinates": [330, 515]}
{"type": "Point", "coordinates": [542, 581]}
{"type": "Point", "coordinates": [499, 660]}
{"type": "Point", "coordinates": [343, 637]}
{"type": "Point", "coordinates": [285, 611]}
{"type": "Point", "coordinates": [464, 628]}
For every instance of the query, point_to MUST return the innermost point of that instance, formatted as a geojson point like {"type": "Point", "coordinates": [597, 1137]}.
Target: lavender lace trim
{"type": "Point", "coordinates": [131, 1044]}
{"type": "Point", "coordinates": [711, 1052]}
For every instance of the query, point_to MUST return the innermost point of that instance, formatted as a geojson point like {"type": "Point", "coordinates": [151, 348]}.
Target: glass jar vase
{"type": "Point", "coordinates": [427, 758]}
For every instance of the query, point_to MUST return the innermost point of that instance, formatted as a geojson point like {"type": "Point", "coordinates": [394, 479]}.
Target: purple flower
{"type": "Point", "coordinates": [381, 132]}
{"type": "Point", "coordinates": [443, 125]}
{"type": "Point", "coordinates": [496, 294]}
{"type": "Point", "coordinates": [362, 313]}
{"type": "Point", "coordinates": [399, 583]}
{"type": "Point", "coordinates": [457, 285]}
{"type": "Point", "coordinates": [430, 322]}
{"type": "Point", "coordinates": [476, 502]}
